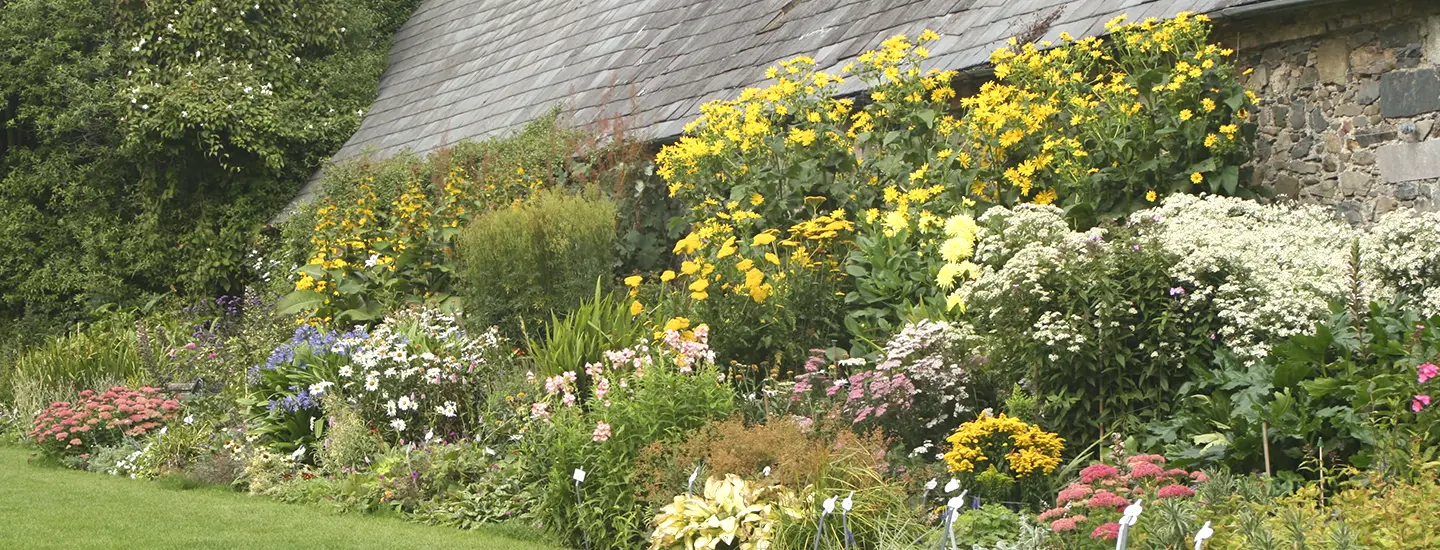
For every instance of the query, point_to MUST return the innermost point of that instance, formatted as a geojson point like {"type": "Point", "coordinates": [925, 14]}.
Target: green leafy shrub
{"type": "Point", "coordinates": [640, 395]}
{"type": "Point", "coordinates": [1359, 387]}
{"type": "Point", "coordinates": [382, 233]}
{"type": "Point", "coordinates": [349, 444]}
{"type": "Point", "coordinates": [146, 141]}
{"type": "Point", "coordinates": [541, 256]}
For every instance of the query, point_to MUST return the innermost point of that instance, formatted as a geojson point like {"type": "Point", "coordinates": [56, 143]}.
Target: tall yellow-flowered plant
{"type": "Point", "coordinates": [366, 253]}
{"type": "Point", "coordinates": [1105, 127]}
{"type": "Point", "coordinates": [788, 180]}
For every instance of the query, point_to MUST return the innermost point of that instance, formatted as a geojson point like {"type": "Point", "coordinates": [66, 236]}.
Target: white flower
{"type": "Point", "coordinates": [346, 371]}
{"type": "Point", "coordinates": [390, 408]}
{"type": "Point", "coordinates": [371, 383]}
{"type": "Point", "coordinates": [319, 388]}
{"type": "Point", "coordinates": [447, 410]}
{"type": "Point", "coordinates": [189, 419]}
{"type": "Point", "coordinates": [398, 424]}
{"type": "Point", "coordinates": [405, 403]}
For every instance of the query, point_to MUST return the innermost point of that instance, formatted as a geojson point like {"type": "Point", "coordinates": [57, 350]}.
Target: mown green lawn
{"type": "Point", "coordinates": [55, 508]}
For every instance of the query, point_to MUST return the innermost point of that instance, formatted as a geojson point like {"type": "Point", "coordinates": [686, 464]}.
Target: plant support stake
{"type": "Point", "coordinates": [579, 476]}
{"type": "Point", "coordinates": [828, 507]}
{"type": "Point", "coordinates": [1132, 515]}
{"type": "Point", "coordinates": [845, 506]}
{"type": "Point", "coordinates": [1205, 533]}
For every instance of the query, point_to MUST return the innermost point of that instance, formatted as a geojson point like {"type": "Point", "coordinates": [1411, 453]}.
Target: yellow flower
{"type": "Point", "coordinates": [1211, 140]}
{"type": "Point", "coordinates": [633, 281]}
{"type": "Point", "coordinates": [745, 264]}
{"type": "Point", "coordinates": [1150, 195]}
{"type": "Point", "coordinates": [677, 324]}
{"type": "Point", "coordinates": [754, 277]}
{"type": "Point", "coordinates": [1207, 104]}
{"type": "Point", "coordinates": [689, 267]}
{"type": "Point", "coordinates": [764, 239]}
{"type": "Point", "coordinates": [699, 285]}
{"type": "Point", "coordinates": [772, 258]}
{"type": "Point", "coordinates": [1196, 178]}
{"type": "Point", "coordinates": [757, 199]}
{"type": "Point", "coordinates": [636, 307]}
{"type": "Point", "coordinates": [667, 276]}
{"type": "Point", "coordinates": [1185, 114]}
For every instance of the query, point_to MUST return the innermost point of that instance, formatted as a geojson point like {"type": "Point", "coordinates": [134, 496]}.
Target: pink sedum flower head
{"type": "Point", "coordinates": [1063, 524]}
{"type": "Point", "coordinates": [1074, 492]}
{"type": "Point", "coordinates": [1146, 469]}
{"type": "Point", "coordinates": [1108, 531]}
{"type": "Point", "coordinates": [1175, 491]}
{"type": "Point", "coordinates": [1097, 471]}
{"type": "Point", "coordinates": [1106, 499]}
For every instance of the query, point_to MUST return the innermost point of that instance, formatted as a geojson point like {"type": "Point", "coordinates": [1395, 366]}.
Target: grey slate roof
{"type": "Point", "coordinates": [464, 69]}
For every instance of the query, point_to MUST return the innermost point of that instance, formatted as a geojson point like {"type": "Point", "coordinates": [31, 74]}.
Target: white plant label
{"type": "Point", "coordinates": [579, 475]}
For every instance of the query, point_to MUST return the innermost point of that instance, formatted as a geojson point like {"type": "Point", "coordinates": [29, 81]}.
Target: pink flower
{"type": "Point", "coordinates": [1146, 469]}
{"type": "Point", "coordinates": [1073, 492]}
{"type": "Point", "coordinates": [1063, 524]}
{"type": "Point", "coordinates": [1419, 403]}
{"type": "Point", "coordinates": [1427, 371]}
{"type": "Point", "coordinates": [1106, 499]}
{"type": "Point", "coordinates": [1050, 514]}
{"type": "Point", "coordinates": [1107, 531]}
{"type": "Point", "coordinates": [1199, 476]}
{"type": "Point", "coordinates": [1097, 471]}
{"type": "Point", "coordinates": [75, 441]}
{"type": "Point", "coordinates": [1153, 459]}
{"type": "Point", "coordinates": [1175, 491]}
{"type": "Point", "coordinates": [601, 433]}
{"type": "Point", "coordinates": [540, 410]}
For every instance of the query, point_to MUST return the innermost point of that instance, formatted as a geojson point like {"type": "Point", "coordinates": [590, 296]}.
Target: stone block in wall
{"type": "Point", "coordinates": [1404, 162]}
{"type": "Point", "coordinates": [1432, 39]}
{"type": "Point", "coordinates": [1332, 57]}
{"type": "Point", "coordinates": [1372, 59]}
{"type": "Point", "coordinates": [1409, 93]}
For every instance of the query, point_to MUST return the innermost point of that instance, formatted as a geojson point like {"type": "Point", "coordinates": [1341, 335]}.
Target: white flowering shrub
{"type": "Point", "coordinates": [1094, 322]}
{"type": "Point", "coordinates": [1271, 271]}
{"type": "Point", "coordinates": [412, 376]}
{"type": "Point", "coordinates": [1401, 255]}
{"type": "Point", "coordinates": [415, 377]}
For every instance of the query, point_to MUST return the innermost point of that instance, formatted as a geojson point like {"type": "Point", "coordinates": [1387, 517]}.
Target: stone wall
{"type": "Point", "coordinates": [1350, 97]}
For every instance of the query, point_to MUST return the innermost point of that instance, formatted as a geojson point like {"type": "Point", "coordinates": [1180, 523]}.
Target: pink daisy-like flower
{"type": "Point", "coordinates": [1175, 491]}
{"type": "Point", "coordinates": [1108, 531]}
{"type": "Point", "coordinates": [1073, 492]}
{"type": "Point", "coordinates": [1106, 499]}
{"type": "Point", "coordinates": [1097, 471]}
